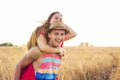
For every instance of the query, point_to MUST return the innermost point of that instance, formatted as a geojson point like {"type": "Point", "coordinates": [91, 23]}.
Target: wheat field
{"type": "Point", "coordinates": [79, 63]}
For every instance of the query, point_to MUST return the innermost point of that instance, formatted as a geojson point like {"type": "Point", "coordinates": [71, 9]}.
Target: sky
{"type": "Point", "coordinates": [95, 21]}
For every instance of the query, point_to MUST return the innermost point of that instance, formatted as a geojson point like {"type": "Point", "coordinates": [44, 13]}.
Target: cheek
{"type": "Point", "coordinates": [63, 37]}
{"type": "Point", "coordinates": [51, 36]}
{"type": "Point", "coordinates": [51, 20]}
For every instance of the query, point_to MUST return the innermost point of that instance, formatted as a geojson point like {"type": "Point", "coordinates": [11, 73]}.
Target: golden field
{"type": "Point", "coordinates": [79, 63]}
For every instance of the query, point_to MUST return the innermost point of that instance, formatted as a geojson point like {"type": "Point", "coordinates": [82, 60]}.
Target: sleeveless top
{"type": "Point", "coordinates": [49, 67]}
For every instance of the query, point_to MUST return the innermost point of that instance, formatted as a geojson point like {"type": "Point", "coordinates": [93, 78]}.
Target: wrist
{"type": "Point", "coordinates": [60, 50]}
{"type": "Point", "coordinates": [57, 51]}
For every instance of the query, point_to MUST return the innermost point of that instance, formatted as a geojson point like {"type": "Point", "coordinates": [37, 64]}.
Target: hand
{"type": "Point", "coordinates": [61, 52]}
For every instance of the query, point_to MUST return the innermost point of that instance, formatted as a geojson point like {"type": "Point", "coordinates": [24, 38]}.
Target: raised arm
{"type": "Point", "coordinates": [43, 45]}
{"type": "Point", "coordinates": [71, 33]}
{"type": "Point", "coordinates": [41, 40]}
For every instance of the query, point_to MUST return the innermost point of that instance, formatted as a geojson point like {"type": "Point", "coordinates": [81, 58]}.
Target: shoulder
{"type": "Point", "coordinates": [34, 52]}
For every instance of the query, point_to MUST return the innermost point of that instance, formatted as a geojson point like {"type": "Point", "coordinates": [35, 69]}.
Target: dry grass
{"type": "Point", "coordinates": [79, 63]}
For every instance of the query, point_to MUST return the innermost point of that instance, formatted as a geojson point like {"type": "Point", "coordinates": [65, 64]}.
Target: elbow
{"type": "Point", "coordinates": [75, 34]}
{"type": "Point", "coordinates": [70, 36]}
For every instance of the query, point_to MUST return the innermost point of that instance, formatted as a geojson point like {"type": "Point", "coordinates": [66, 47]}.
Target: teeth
{"type": "Point", "coordinates": [58, 41]}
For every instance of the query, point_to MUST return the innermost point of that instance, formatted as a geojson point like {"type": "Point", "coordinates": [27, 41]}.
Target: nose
{"type": "Point", "coordinates": [56, 18]}
{"type": "Point", "coordinates": [60, 37]}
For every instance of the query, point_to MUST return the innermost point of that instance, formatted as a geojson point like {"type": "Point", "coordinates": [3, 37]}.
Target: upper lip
{"type": "Point", "coordinates": [59, 41]}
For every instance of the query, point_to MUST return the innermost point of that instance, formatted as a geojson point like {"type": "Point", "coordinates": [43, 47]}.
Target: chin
{"type": "Point", "coordinates": [56, 45]}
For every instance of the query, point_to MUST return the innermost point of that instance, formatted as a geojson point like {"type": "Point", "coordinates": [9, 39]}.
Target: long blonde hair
{"type": "Point", "coordinates": [35, 34]}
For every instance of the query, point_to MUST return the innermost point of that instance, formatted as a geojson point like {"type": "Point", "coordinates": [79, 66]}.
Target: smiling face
{"type": "Point", "coordinates": [56, 37]}
{"type": "Point", "coordinates": [56, 17]}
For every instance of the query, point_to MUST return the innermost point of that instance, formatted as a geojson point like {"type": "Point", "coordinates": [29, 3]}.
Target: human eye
{"type": "Point", "coordinates": [62, 34]}
{"type": "Point", "coordinates": [56, 34]}
{"type": "Point", "coordinates": [56, 18]}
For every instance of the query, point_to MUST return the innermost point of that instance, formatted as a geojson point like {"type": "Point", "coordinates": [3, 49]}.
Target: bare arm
{"type": "Point", "coordinates": [43, 45]}
{"type": "Point", "coordinates": [71, 33]}
{"type": "Point", "coordinates": [30, 56]}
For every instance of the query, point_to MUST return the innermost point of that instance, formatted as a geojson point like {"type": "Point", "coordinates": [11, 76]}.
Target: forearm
{"type": "Point", "coordinates": [23, 63]}
{"type": "Point", "coordinates": [48, 49]}
{"type": "Point", "coordinates": [17, 73]}
{"type": "Point", "coordinates": [71, 33]}
{"type": "Point", "coordinates": [44, 46]}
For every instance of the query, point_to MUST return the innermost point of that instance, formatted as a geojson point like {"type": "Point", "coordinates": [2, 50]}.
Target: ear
{"type": "Point", "coordinates": [49, 35]}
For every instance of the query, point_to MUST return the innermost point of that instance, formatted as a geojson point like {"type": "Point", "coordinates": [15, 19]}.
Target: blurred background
{"type": "Point", "coordinates": [96, 22]}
